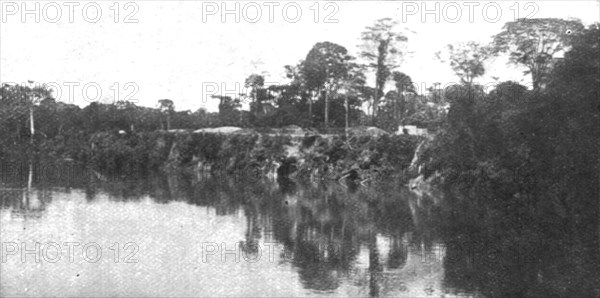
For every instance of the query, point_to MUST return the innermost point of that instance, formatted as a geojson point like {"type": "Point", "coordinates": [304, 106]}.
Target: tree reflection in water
{"type": "Point", "coordinates": [515, 251]}
{"type": "Point", "coordinates": [329, 230]}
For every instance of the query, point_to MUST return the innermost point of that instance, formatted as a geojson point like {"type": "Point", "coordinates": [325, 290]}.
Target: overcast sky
{"type": "Point", "coordinates": [171, 52]}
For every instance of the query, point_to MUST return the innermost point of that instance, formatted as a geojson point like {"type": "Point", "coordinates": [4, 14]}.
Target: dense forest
{"type": "Point", "coordinates": [525, 164]}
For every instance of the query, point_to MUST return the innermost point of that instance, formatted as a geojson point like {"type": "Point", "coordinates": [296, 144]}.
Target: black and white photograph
{"type": "Point", "coordinates": [183, 148]}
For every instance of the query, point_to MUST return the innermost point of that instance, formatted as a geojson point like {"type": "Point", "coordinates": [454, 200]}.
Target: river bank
{"type": "Point", "coordinates": [363, 157]}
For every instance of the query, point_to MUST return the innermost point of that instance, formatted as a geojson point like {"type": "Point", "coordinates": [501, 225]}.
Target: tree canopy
{"type": "Point", "coordinates": [534, 43]}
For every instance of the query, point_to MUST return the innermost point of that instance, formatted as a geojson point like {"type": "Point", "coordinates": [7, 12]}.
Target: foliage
{"type": "Point", "coordinates": [229, 110]}
{"type": "Point", "coordinates": [381, 49]}
{"type": "Point", "coordinates": [167, 107]}
{"type": "Point", "coordinates": [466, 60]}
{"type": "Point", "coordinates": [324, 70]}
{"type": "Point", "coordinates": [534, 42]}
{"type": "Point", "coordinates": [527, 162]}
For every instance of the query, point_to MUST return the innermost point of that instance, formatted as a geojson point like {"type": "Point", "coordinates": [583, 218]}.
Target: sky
{"type": "Point", "coordinates": [185, 51]}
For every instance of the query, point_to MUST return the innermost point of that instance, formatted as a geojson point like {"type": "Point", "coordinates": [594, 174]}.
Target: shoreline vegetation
{"type": "Point", "coordinates": [363, 157]}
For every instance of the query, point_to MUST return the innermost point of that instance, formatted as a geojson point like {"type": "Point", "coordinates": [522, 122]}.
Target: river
{"type": "Point", "coordinates": [167, 236]}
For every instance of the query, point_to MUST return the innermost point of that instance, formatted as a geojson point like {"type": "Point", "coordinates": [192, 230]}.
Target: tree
{"type": "Point", "coordinates": [381, 50]}
{"type": "Point", "coordinates": [466, 60]}
{"type": "Point", "coordinates": [24, 98]}
{"type": "Point", "coordinates": [350, 89]}
{"type": "Point", "coordinates": [290, 102]}
{"type": "Point", "coordinates": [404, 84]}
{"type": "Point", "coordinates": [258, 95]}
{"type": "Point", "coordinates": [534, 42]}
{"type": "Point", "coordinates": [12, 107]}
{"type": "Point", "coordinates": [436, 94]}
{"type": "Point", "coordinates": [576, 133]}
{"type": "Point", "coordinates": [298, 85]}
{"type": "Point", "coordinates": [167, 107]}
{"type": "Point", "coordinates": [127, 111]}
{"type": "Point", "coordinates": [579, 68]}
{"type": "Point", "coordinates": [229, 110]}
{"type": "Point", "coordinates": [323, 69]}
{"type": "Point", "coordinates": [255, 82]}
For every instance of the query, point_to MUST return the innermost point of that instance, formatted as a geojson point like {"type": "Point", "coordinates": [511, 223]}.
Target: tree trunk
{"type": "Point", "coordinates": [535, 76]}
{"type": "Point", "coordinates": [535, 81]}
{"type": "Point", "coordinates": [380, 76]}
{"type": "Point", "coordinates": [402, 108]}
{"type": "Point", "coordinates": [310, 111]}
{"type": "Point", "coordinates": [375, 100]}
{"type": "Point", "coordinates": [374, 266]}
{"type": "Point", "coordinates": [310, 103]}
{"type": "Point", "coordinates": [346, 106]}
{"type": "Point", "coordinates": [396, 110]}
{"type": "Point", "coordinates": [31, 124]}
{"type": "Point", "coordinates": [326, 110]}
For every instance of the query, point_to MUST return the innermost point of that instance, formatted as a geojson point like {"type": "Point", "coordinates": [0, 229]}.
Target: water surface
{"type": "Point", "coordinates": [184, 236]}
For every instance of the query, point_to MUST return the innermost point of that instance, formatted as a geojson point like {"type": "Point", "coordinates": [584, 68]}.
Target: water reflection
{"type": "Point", "coordinates": [517, 252]}
{"type": "Point", "coordinates": [330, 240]}
{"type": "Point", "coordinates": [25, 201]}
